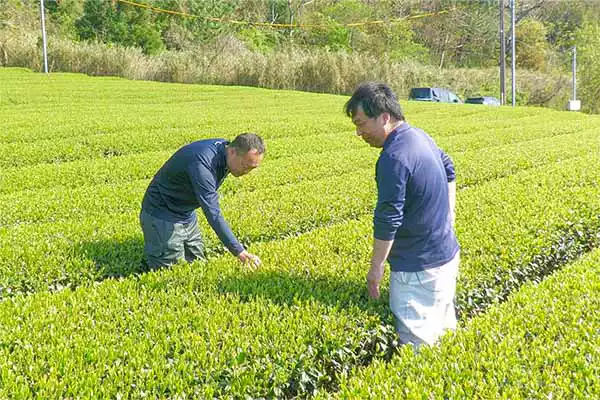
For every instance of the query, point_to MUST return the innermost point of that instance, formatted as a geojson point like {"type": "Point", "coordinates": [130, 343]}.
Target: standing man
{"type": "Point", "coordinates": [188, 180]}
{"type": "Point", "coordinates": [414, 217]}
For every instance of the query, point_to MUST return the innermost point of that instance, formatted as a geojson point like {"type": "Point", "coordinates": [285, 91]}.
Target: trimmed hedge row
{"type": "Point", "coordinates": [65, 106]}
{"type": "Point", "coordinates": [312, 138]}
{"type": "Point", "coordinates": [485, 163]}
{"type": "Point", "coordinates": [54, 231]}
{"type": "Point", "coordinates": [168, 335]}
{"type": "Point", "coordinates": [110, 145]}
{"type": "Point", "coordinates": [544, 342]}
{"type": "Point", "coordinates": [273, 172]}
{"type": "Point", "coordinates": [520, 225]}
{"type": "Point", "coordinates": [55, 204]}
{"type": "Point", "coordinates": [302, 321]}
{"type": "Point", "coordinates": [314, 282]}
{"type": "Point", "coordinates": [63, 118]}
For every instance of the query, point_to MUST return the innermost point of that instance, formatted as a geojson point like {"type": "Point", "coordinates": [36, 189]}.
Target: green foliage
{"type": "Point", "coordinates": [108, 23]}
{"type": "Point", "coordinates": [63, 16]}
{"type": "Point", "coordinates": [531, 46]}
{"type": "Point", "coordinates": [399, 43]}
{"type": "Point", "coordinates": [332, 35]}
{"type": "Point", "coordinates": [259, 39]}
{"type": "Point", "coordinates": [70, 243]}
{"type": "Point", "coordinates": [335, 35]}
{"type": "Point", "coordinates": [19, 13]}
{"type": "Point", "coordinates": [333, 58]}
{"type": "Point", "coordinates": [394, 39]}
{"type": "Point", "coordinates": [101, 21]}
{"type": "Point", "coordinates": [542, 343]}
{"type": "Point", "coordinates": [229, 62]}
{"type": "Point", "coordinates": [464, 34]}
{"type": "Point", "coordinates": [126, 25]}
{"type": "Point", "coordinates": [201, 29]}
{"type": "Point", "coordinates": [564, 18]}
{"type": "Point", "coordinates": [588, 54]}
{"type": "Point", "coordinates": [464, 37]}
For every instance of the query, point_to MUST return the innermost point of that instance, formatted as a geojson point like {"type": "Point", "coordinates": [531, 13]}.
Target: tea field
{"type": "Point", "coordinates": [79, 319]}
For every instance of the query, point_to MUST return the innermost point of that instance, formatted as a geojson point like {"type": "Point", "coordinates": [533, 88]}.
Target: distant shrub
{"type": "Point", "coordinates": [227, 61]}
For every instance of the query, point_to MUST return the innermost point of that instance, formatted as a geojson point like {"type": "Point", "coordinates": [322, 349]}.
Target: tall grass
{"type": "Point", "coordinates": [228, 62]}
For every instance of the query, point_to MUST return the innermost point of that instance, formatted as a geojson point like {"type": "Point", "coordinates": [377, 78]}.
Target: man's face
{"type": "Point", "coordinates": [241, 164]}
{"type": "Point", "coordinates": [371, 130]}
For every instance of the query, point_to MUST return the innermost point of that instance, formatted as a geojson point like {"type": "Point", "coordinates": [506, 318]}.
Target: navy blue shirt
{"type": "Point", "coordinates": [413, 210]}
{"type": "Point", "coordinates": [189, 180]}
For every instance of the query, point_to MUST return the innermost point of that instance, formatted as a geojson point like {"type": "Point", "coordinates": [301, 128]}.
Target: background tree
{"type": "Point", "coordinates": [531, 45]}
{"type": "Point", "coordinates": [465, 34]}
{"type": "Point", "coordinates": [19, 14]}
{"type": "Point", "coordinates": [458, 34]}
{"type": "Point", "coordinates": [588, 56]}
{"type": "Point", "coordinates": [63, 15]}
{"type": "Point", "coordinates": [121, 24]}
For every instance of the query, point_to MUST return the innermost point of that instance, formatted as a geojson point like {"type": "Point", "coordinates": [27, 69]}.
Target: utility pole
{"type": "Point", "coordinates": [42, 17]}
{"type": "Point", "coordinates": [502, 56]}
{"type": "Point", "coordinates": [574, 104]}
{"type": "Point", "coordinates": [574, 72]}
{"type": "Point", "coordinates": [513, 57]}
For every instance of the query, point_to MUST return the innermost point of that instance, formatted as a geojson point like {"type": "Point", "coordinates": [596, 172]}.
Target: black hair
{"type": "Point", "coordinates": [245, 142]}
{"type": "Point", "coordinates": [375, 99]}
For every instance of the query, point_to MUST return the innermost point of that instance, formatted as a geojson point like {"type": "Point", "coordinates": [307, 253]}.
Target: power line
{"type": "Point", "coordinates": [274, 25]}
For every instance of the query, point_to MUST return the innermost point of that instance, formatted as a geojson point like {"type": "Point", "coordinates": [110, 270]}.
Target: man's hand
{"type": "Point", "coordinates": [381, 249]}
{"type": "Point", "coordinates": [374, 279]}
{"type": "Point", "coordinates": [249, 260]}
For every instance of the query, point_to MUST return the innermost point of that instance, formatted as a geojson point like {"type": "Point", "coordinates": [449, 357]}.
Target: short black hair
{"type": "Point", "coordinates": [375, 99]}
{"type": "Point", "coordinates": [245, 142]}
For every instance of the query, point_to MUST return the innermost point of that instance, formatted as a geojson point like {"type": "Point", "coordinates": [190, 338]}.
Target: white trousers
{"type": "Point", "coordinates": [423, 302]}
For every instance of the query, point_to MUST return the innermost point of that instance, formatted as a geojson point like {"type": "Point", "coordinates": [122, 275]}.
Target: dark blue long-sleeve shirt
{"type": "Point", "coordinates": [413, 209]}
{"type": "Point", "coordinates": [189, 180]}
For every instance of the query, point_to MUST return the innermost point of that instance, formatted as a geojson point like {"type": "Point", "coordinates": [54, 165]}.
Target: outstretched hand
{"type": "Point", "coordinates": [249, 260]}
{"type": "Point", "coordinates": [374, 279]}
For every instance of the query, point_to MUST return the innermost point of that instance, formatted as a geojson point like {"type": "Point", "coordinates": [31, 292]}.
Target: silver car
{"type": "Point", "coordinates": [487, 100]}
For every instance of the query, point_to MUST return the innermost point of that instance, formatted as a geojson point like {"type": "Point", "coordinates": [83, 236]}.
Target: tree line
{"type": "Point", "coordinates": [440, 33]}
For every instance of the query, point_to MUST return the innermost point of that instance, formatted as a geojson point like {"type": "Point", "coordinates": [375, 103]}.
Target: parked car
{"type": "Point", "coordinates": [433, 94]}
{"type": "Point", "coordinates": [487, 100]}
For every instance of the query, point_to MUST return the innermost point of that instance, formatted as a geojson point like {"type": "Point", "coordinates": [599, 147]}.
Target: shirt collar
{"type": "Point", "coordinates": [223, 156]}
{"type": "Point", "coordinates": [403, 127]}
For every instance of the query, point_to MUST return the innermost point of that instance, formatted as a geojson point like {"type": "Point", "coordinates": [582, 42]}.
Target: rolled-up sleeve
{"type": "Point", "coordinates": [391, 177]}
{"type": "Point", "coordinates": [448, 166]}
{"type": "Point", "coordinates": [205, 189]}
